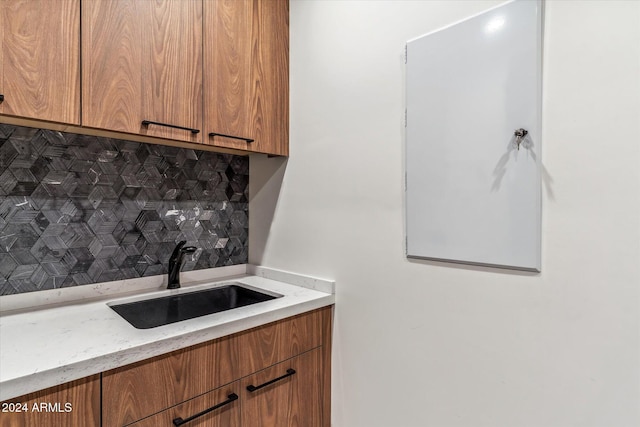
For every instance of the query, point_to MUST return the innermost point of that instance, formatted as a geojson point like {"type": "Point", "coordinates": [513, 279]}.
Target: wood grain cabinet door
{"type": "Point", "coordinates": [274, 342]}
{"type": "Point", "coordinates": [68, 405]}
{"type": "Point", "coordinates": [285, 395]}
{"type": "Point", "coordinates": [139, 390]}
{"type": "Point", "coordinates": [142, 62]}
{"type": "Point", "coordinates": [40, 59]}
{"type": "Point", "coordinates": [246, 74]}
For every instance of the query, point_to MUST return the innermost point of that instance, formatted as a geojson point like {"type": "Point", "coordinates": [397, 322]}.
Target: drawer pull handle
{"type": "Point", "coordinates": [1, 98]}
{"type": "Point", "coordinates": [230, 398]}
{"type": "Point", "coordinates": [149, 122]}
{"type": "Point", "coordinates": [253, 388]}
{"type": "Point", "coordinates": [247, 140]}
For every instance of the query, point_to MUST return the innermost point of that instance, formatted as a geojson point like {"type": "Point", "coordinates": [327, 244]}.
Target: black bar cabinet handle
{"type": "Point", "coordinates": [247, 140]}
{"type": "Point", "coordinates": [230, 398]}
{"type": "Point", "coordinates": [253, 388]}
{"type": "Point", "coordinates": [149, 122]}
{"type": "Point", "coordinates": [1, 98]}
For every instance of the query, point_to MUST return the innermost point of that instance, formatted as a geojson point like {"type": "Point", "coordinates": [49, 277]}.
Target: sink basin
{"type": "Point", "coordinates": [151, 313]}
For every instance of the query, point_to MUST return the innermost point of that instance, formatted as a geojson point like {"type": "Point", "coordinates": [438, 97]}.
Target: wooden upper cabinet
{"type": "Point", "coordinates": [142, 61]}
{"type": "Point", "coordinates": [40, 59]}
{"type": "Point", "coordinates": [246, 74]}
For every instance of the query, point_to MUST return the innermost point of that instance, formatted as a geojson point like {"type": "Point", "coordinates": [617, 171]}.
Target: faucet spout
{"type": "Point", "coordinates": [175, 263]}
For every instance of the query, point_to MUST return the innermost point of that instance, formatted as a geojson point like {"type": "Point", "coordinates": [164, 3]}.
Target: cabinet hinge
{"type": "Point", "coordinates": [405, 53]}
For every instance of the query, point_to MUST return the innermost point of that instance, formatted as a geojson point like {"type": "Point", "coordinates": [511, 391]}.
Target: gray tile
{"type": "Point", "coordinates": [43, 253]}
{"type": "Point", "coordinates": [77, 235]}
{"type": "Point", "coordinates": [8, 153]}
{"type": "Point", "coordinates": [78, 209]}
{"type": "Point", "coordinates": [23, 272]}
{"type": "Point", "coordinates": [7, 265]}
{"type": "Point", "coordinates": [24, 216]}
{"type": "Point", "coordinates": [40, 278]}
{"type": "Point", "coordinates": [54, 243]}
{"type": "Point", "coordinates": [78, 260]}
{"type": "Point", "coordinates": [129, 273]}
{"type": "Point", "coordinates": [22, 285]}
{"type": "Point", "coordinates": [54, 229]}
{"type": "Point", "coordinates": [53, 137]}
{"type": "Point", "coordinates": [104, 246]}
{"type": "Point", "coordinates": [18, 236]}
{"type": "Point", "coordinates": [154, 270]}
{"type": "Point", "coordinates": [6, 131]}
{"type": "Point", "coordinates": [7, 182]}
{"type": "Point", "coordinates": [103, 221]}
{"type": "Point", "coordinates": [56, 269]}
{"type": "Point", "coordinates": [82, 279]}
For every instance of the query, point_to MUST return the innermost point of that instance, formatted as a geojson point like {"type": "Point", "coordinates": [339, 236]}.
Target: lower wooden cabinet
{"type": "Point", "coordinates": [276, 375]}
{"type": "Point", "coordinates": [68, 405]}
{"type": "Point", "coordinates": [136, 391]}
{"type": "Point", "coordinates": [267, 345]}
{"type": "Point", "coordinates": [286, 395]}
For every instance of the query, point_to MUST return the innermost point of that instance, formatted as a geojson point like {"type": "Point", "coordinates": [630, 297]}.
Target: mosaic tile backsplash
{"type": "Point", "coordinates": [77, 209]}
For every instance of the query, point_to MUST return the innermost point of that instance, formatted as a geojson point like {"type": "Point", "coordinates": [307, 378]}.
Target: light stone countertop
{"type": "Point", "coordinates": [52, 337]}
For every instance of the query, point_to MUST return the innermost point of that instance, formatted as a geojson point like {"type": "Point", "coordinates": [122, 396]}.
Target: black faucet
{"type": "Point", "coordinates": [175, 263]}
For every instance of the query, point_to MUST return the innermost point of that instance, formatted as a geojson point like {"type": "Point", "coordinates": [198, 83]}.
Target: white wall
{"type": "Point", "coordinates": [422, 343]}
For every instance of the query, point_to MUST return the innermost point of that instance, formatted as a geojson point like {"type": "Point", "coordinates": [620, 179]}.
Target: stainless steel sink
{"type": "Point", "coordinates": [151, 313]}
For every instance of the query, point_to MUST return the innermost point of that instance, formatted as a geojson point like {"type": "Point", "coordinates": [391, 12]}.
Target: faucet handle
{"type": "Point", "coordinates": [175, 263]}
{"type": "Point", "coordinates": [176, 251]}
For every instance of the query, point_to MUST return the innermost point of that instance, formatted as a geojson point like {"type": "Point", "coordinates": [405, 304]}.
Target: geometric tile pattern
{"type": "Point", "coordinates": [78, 209]}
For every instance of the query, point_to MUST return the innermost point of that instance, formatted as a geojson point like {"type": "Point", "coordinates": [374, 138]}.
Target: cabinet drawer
{"type": "Point", "coordinates": [282, 398]}
{"type": "Point", "coordinates": [144, 388]}
{"type": "Point", "coordinates": [266, 345]}
{"type": "Point", "coordinates": [225, 414]}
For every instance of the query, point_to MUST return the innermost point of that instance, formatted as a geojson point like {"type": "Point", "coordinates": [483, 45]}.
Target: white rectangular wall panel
{"type": "Point", "coordinates": [473, 193]}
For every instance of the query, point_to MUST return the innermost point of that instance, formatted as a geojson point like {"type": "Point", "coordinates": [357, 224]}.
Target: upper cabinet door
{"type": "Point", "coordinates": [40, 59]}
{"type": "Point", "coordinates": [142, 67]}
{"type": "Point", "coordinates": [246, 83]}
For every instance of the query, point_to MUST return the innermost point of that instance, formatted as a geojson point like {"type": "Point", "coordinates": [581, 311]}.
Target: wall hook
{"type": "Point", "coordinates": [520, 134]}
